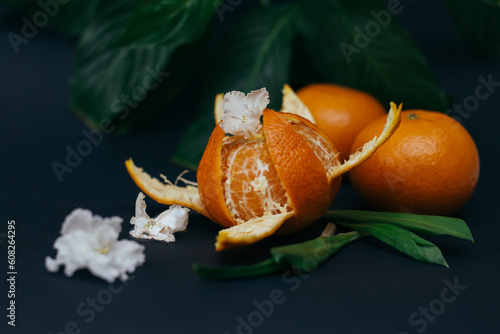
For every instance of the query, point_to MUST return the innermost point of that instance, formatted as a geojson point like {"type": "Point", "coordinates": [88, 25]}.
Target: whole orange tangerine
{"type": "Point", "coordinates": [341, 112]}
{"type": "Point", "coordinates": [429, 166]}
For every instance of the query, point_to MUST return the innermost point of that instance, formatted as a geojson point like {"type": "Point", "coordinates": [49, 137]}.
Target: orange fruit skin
{"type": "Point", "coordinates": [341, 112]}
{"type": "Point", "coordinates": [430, 165]}
{"type": "Point", "coordinates": [301, 173]}
{"type": "Point", "coordinates": [209, 178]}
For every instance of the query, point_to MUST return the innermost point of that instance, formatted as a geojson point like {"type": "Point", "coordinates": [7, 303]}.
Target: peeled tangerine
{"type": "Point", "coordinates": [262, 172]}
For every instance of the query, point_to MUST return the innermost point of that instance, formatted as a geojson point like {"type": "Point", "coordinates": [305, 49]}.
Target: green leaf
{"type": "Point", "coordinates": [122, 86]}
{"type": "Point", "coordinates": [361, 44]}
{"type": "Point", "coordinates": [403, 240]}
{"type": "Point", "coordinates": [167, 22]}
{"type": "Point", "coordinates": [255, 53]}
{"type": "Point", "coordinates": [70, 17]}
{"type": "Point", "coordinates": [478, 23]}
{"type": "Point", "coordinates": [223, 273]}
{"type": "Point", "coordinates": [432, 225]}
{"type": "Point", "coordinates": [310, 254]}
{"type": "Point", "coordinates": [301, 255]}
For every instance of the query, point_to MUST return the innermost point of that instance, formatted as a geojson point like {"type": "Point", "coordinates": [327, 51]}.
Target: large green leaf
{"type": "Point", "coordinates": [478, 22]}
{"type": "Point", "coordinates": [361, 44]}
{"type": "Point", "coordinates": [70, 17]}
{"type": "Point", "coordinates": [255, 53]}
{"type": "Point", "coordinates": [167, 22]}
{"type": "Point", "coordinates": [122, 85]}
{"type": "Point", "coordinates": [426, 224]}
{"type": "Point", "coordinates": [403, 240]}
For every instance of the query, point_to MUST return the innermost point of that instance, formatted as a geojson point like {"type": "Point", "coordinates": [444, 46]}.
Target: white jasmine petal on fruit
{"type": "Point", "coordinates": [161, 228]}
{"type": "Point", "coordinates": [90, 241]}
{"type": "Point", "coordinates": [242, 113]}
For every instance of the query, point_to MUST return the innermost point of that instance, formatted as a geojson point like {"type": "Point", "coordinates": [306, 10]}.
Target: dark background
{"type": "Point", "coordinates": [366, 288]}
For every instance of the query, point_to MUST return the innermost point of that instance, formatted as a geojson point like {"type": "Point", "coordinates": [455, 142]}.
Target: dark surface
{"type": "Point", "coordinates": [366, 288]}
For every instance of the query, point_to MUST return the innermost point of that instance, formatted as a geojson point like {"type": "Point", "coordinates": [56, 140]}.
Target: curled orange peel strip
{"type": "Point", "coordinates": [391, 125]}
{"type": "Point", "coordinates": [250, 232]}
{"type": "Point", "coordinates": [292, 104]}
{"type": "Point", "coordinates": [161, 192]}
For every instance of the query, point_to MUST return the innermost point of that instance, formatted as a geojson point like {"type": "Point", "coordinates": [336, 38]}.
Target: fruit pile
{"type": "Point", "coordinates": [265, 172]}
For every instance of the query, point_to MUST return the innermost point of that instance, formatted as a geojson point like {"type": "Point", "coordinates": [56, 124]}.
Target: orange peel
{"type": "Point", "coordinates": [163, 193]}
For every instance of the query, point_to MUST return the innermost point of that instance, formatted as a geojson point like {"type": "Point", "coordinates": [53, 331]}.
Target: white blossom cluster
{"type": "Point", "coordinates": [91, 242]}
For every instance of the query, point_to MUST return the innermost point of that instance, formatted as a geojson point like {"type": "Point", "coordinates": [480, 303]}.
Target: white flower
{"type": "Point", "coordinates": [161, 228]}
{"type": "Point", "coordinates": [242, 113]}
{"type": "Point", "coordinates": [91, 242]}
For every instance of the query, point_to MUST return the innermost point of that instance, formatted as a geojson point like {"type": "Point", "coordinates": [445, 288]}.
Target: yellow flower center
{"type": "Point", "coordinates": [149, 224]}
{"type": "Point", "coordinates": [104, 250]}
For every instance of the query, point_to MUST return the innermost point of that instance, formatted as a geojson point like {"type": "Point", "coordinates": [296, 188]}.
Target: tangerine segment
{"type": "Point", "coordinates": [209, 178]}
{"type": "Point", "coordinates": [391, 125]}
{"type": "Point", "coordinates": [251, 184]}
{"type": "Point", "coordinates": [301, 172]}
{"type": "Point", "coordinates": [166, 193]}
{"type": "Point", "coordinates": [251, 231]}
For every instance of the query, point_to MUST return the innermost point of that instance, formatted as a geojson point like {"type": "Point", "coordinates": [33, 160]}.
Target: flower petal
{"type": "Point", "coordinates": [78, 219]}
{"type": "Point", "coordinates": [257, 101]}
{"type": "Point", "coordinates": [83, 220]}
{"type": "Point", "coordinates": [234, 104]}
{"type": "Point", "coordinates": [123, 257]}
{"type": "Point", "coordinates": [175, 218]}
{"type": "Point", "coordinates": [51, 264]}
{"type": "Point", "coordinates": [161, 228]}
{"type": "Point", "coordinates": [140, 209]}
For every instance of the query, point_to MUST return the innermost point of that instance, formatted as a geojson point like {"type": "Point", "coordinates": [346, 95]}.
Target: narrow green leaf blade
{"type": "Point", "coordinates": [166, 23]}
{"type": "Point", "coordinates": [403, 240]}
{"type": "Point", "coordinates": [478, 22]}
{"type": "Point", "coordinates": [310, 254]}
{"type": "Point", "coordinates": [225, 273]}
{"type": "Point", "coordinates": [433, 225]}
{"type": "Point", "coordinates": [255, 53]}
{"type": "Point", "coordinates": [361, 44]}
